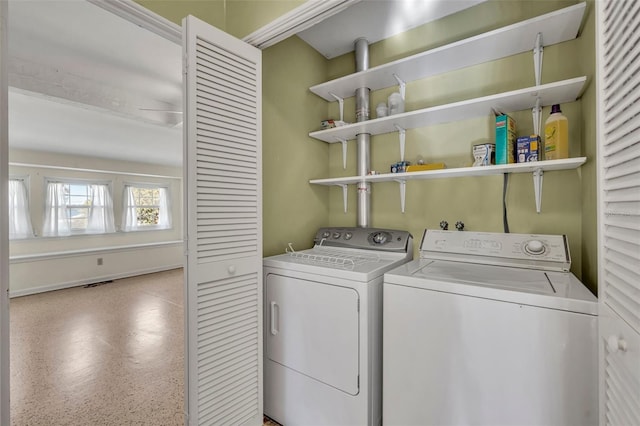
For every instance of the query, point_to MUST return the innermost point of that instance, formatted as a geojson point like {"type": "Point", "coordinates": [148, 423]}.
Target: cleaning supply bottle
{"type": "Point", "coordinates": [556, 135]}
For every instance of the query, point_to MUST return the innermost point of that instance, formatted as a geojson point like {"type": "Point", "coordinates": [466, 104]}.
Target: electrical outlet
{"type": "Point", "coordinates": [99, 261]}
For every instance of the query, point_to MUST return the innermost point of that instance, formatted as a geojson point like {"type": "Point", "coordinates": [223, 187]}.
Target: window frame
{"type": "Point", "coordinates": [75, 181]}
{"type": "Point", "coordinates": [146, 185]}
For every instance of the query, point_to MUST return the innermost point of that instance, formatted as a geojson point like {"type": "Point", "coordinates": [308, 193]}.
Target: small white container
{"type": "Point", "coordinates": [396, 103]}
{"type": "Point", "coordinates": [382, 110]}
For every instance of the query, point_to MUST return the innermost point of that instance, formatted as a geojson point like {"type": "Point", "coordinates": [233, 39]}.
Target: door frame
{"type": "Point", "coordinates": [4, 219]}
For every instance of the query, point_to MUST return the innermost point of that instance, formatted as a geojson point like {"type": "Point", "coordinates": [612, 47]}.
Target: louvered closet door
{"type": "Point", "coordinates": [224, 232]}
{"type": "Point", "coordinates": [619, 210]}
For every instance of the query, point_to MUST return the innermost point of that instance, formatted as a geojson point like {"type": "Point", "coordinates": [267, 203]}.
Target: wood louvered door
{"type": "Point", "coordinates": [618, 23]}
{"type": "Point", "coordinates": [224, 227]}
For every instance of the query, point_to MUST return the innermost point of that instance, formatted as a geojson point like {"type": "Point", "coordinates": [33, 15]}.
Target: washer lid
{"type": "Point", "coordinates": [528, 281]}
{"type": "Point", "coordinates": [555, 290]}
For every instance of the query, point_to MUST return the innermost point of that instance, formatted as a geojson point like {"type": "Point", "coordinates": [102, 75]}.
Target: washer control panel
{"type": "Point", "coordinates": [524, 250]}
{"type": "Point", "coordinates": [364, 238]}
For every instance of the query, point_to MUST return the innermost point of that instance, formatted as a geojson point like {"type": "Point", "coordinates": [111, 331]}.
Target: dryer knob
{"type": "Point", "coordinates": [379, 238]}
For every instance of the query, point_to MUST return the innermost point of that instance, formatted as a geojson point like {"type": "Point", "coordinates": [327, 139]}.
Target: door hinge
{"type": "Point", "coordinates": [185, 64]}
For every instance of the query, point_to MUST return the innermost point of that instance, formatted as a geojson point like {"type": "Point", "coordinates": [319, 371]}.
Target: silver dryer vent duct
{"type": "Point", "coordinates": [363, 139]}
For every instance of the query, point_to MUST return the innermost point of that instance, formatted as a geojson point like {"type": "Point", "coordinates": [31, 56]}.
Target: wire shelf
{"type": "Point", "coordinates": [334, 258]}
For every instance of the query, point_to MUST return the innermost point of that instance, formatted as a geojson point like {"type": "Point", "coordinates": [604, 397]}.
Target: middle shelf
{"type": "Point", "coordinates": [558, 92]}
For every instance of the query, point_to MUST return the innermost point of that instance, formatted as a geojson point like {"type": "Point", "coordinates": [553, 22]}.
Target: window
{"type": "Point", "coordinates": [146, 207]}
{"type": "Point", "coordinates": [19, 215]}
{"type": "Point", "coordinates": [77, 208]}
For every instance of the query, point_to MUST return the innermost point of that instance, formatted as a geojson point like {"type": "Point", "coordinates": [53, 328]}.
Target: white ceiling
{"type": "Point", "coordinates": [41, 124]}
{"type": "Point", "coordinates": [376, 20]}
{"type": "Point", "coordinates": [81, 78]}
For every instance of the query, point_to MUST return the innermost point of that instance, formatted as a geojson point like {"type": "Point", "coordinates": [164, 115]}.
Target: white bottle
{"type": "Point", "coordinates": [396, 103]}
{"type": "Point", "coordinates": [382, 110]}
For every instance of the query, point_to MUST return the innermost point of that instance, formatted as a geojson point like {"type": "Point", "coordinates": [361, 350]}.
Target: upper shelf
{"type": "Point", "coordinates": [553, 93]}
{"type": "Point", "coordinates": [555, 27]}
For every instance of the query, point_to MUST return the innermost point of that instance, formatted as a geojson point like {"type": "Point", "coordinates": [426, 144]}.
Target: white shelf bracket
{"type": "Point", "coordinates": [344, 152]}
{"type": "Point", "coordinates": [403, 133]}
{"type": "Point", "coordinates": [341, 103]}
{"type": "Point", "coordinates": [537, 118]}
{"type": "Point", "coordinates": [537, 187]}
{"type": "Point", "coordinates": [402, 84]}
{"type": "Point", "coordinates": [538, 50]}
{"type": "Point", "coordinates": [403, 190]}
{"type": "Point", "coordinates": [344, 195]}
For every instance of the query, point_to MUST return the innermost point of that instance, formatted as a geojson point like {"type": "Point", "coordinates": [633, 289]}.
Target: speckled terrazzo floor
{"type": "Point", "coordinates": [105, 355]}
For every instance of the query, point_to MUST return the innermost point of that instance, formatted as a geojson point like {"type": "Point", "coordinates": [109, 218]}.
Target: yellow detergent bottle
{"type": "Point", "coordinates": [556, 135]}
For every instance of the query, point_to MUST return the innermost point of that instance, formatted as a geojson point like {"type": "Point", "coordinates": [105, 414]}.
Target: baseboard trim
{"type": "Point", "coordinates": [89, 252]}
{"type": "Point", "coordinates": [92, 280]}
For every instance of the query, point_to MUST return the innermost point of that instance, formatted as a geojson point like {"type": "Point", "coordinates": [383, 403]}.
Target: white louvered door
{"type": "Point", "coordinates": [618, 59]}
{"type": "Point", "coordinates": [223, 208]}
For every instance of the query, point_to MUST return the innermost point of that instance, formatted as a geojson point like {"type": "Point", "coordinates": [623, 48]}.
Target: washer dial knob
{"type": "Point", "coordinates": [379, 238]}
{"type": "Point", "coordinates": [348, 235]}
{"type": "Point", "coordinates": [535, 247]}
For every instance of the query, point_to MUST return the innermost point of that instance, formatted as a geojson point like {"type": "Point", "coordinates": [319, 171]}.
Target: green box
{"type": "Point", "coordinates": [505, 139]}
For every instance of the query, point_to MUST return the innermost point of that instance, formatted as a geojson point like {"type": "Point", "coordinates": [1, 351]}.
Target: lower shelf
{"type": "Point", "coordinates": [548, 165]}
{"type": "Point", "coordinates": [537, 168]}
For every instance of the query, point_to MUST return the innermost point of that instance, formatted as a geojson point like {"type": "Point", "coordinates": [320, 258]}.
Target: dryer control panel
{"type": "Point", "coordinates": [364, 238]}
{"type": "Point", "coordinates": [547, 252]}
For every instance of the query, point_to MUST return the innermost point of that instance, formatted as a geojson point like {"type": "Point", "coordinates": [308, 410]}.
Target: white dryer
{"type": "Point", "coordinates": [489, 329]}
{"type": "Point", "coordinates": [323, 327]}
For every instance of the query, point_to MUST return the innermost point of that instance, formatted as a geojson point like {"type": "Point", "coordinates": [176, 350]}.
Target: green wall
{"type": "Point", "coordinates": [587, 47]}
{"type": "Point", "coordinates": [246, 16]}
{"type": "Point", "coordinates": [211, 11]}
{"type": "Point", "coordinates": [293, 209]}
{"type": "Point", "coordinates": [567, 204]}
{"type": "Point", "coordinates": [237, 17]}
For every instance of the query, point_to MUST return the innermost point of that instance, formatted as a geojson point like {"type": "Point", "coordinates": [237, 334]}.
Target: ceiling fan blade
{"type": "Point", "coordinates": [168, 111]}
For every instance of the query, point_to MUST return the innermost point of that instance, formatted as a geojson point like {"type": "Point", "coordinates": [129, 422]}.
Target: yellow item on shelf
{"type": "Point", "coordinates": [556, 135]}
{"type": "Point", "coordinates": [423, 167]}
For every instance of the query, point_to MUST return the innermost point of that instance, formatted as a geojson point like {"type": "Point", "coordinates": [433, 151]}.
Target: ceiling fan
{"type": "Point", "coordinates": [166, 111]}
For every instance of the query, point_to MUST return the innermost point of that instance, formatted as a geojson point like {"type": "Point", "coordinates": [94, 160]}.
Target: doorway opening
{"type": "Point", "coordinates": [96, 97]}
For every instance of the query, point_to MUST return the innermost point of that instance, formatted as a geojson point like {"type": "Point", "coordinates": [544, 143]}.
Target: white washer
{"type": "Point", "coordinates": [489, 329]}
{"type": "Point", "coordinates": [323, 327]}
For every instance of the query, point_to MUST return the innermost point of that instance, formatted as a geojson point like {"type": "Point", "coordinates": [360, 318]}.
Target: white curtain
{"type": "Point", "coordinates": [56, 221]}
{"type": "Point", "coordinates": [164, 217]}
{"type": "Point", "coordinates": [100, 218]}
{"type": "Point", "coordinates": [19, 216]}
{"type": "Point", "coordinates": [129, 211]}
